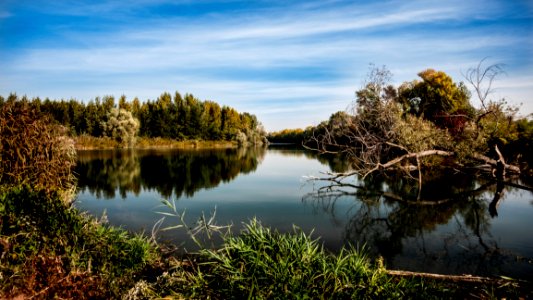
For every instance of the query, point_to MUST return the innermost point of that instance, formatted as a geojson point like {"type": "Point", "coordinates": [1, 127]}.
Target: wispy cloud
{"type": "Point", "coordinates": [271, 60]}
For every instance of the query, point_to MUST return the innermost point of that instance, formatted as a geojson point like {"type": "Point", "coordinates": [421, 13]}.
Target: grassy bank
{"type": "Point", "coordinates": [264, 264]}
{"type": "Point", "coordinates": [51, 250]}
{"type": "Point", "coordinates": [86, 142]}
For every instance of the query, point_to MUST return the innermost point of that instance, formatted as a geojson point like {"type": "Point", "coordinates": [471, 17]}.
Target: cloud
{"type": "Point", "coordinates": [271, 60]}
{"type": "Point", "coordinates": [5, 14]}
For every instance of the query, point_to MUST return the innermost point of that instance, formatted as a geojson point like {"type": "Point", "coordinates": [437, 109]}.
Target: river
{"type": "Point", "coordinates": [478, 228]}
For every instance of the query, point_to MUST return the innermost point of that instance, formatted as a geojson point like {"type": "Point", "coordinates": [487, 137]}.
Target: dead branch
{"type": "Point", "coordinates": [518, 186]}
{"type": "Point", "coordinates": [481, 79]}
{"type": "Point", "coordinates": [416, 155]}
{"type": "Point", "coordinates": [494, 163]}
{"type": "Point", "coordinates": [453, 278]}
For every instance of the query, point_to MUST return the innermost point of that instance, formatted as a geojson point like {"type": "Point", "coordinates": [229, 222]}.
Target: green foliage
{"type": "Point", "coordinates": [497, 124]}
{"type": "Point", "coordinates": [32, 150]}
{"type": "Point", "coordinates": [522, 147]}
{"type": "Point", "coordinates": [400, 128]}
{"type": "Point", "coordinates": [290, 136]}
{"type": "Point", "coordinates": [121, 126]}
{"type": "Point", "coordinates": [170, 117]}
{"type": "Point", "coordinates": [417, 134]}
{"type": "Point", "coordinates": [51, 250]}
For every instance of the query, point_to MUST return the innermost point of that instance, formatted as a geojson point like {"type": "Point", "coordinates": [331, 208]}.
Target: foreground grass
{"type": "Point", "coordinates": [49, 250]}
{"type": "Point", "coordinates": [264, 264]}
{"type": "Point", "coordinates": [86, 142]}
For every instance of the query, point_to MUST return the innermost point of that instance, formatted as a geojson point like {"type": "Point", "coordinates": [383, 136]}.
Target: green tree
{"type": "Point", "coordinates": [211, 121]}
{"type": "Point", "coordinates": [230, 123]}
{"type": "Point", "coordinates": [422, 125]}
{"type": "Point", "coordinates": [123, 103]}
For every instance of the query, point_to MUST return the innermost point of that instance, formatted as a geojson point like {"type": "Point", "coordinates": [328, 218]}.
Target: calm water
{"type": "Point", "coordinates": [473, 231]}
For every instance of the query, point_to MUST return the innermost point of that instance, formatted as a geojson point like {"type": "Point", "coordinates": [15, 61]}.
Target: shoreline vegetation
{"type": "Point", "coordinates": [86, 142]}
{"type": "Point", "coordinates": [49, 249]}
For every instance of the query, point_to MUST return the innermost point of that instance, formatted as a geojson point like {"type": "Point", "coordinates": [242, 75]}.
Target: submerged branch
{"type": "Point", "coordinates": [497, 167]}
{"type": "Point", "coordinates": [453, 278]}
{"type": "Point", "coordinates": [335, 190]}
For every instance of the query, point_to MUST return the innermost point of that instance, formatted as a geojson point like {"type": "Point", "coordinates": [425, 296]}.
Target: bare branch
{"type": "Point", "coordinates": [481, 78]}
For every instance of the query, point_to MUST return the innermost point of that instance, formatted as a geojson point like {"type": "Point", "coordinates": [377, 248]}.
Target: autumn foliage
{"type": "Point", "coordinates": [34, 151]}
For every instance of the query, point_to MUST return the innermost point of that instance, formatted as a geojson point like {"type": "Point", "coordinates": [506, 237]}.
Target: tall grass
{"type": "Point", "coordinates": [261, 263]}
{"type": "Point", "coordinates": [264, 263]}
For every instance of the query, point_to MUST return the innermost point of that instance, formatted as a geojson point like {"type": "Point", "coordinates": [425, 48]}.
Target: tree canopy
{"type": "Point", "coordinates": [169, 116]}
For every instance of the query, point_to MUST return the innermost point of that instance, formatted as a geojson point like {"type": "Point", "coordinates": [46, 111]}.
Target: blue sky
{"type": "Point", "coordinates": [291, 63]}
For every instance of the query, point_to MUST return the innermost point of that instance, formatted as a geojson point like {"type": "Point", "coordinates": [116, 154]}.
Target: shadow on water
{"type": "Point", "coordinates": [447, 229]}
{"type": "Point", "coordinates": [169, 172]}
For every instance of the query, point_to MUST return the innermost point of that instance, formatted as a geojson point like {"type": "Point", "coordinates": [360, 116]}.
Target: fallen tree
{"type": "Point", "coordinates": [420, 126]}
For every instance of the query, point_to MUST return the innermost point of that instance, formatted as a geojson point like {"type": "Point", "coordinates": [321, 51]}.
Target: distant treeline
{"type": "Point", "coordinates": [291, 136]}
{"type": "Point", "coordinates": [177, 117]}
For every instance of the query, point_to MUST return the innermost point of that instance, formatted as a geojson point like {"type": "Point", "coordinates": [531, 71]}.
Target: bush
{"type": "Point", "coordinates": [33, 151]}
{"type": "Point", "coordinates": [121, 126]}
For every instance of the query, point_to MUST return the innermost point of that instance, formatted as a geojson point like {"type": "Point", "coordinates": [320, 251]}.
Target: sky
{"type": "Point", "coordinates": [291, 63]}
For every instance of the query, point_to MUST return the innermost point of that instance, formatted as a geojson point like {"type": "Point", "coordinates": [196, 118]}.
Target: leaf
{"type": "Point", "coordinates": [172, 227]}
{"type": "Point", "coordinates": [166, 214]}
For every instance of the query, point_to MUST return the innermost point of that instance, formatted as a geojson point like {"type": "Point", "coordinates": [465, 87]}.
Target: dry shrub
{"type": "Point", "coordinates": [48, 277]}
{"type": "Point", "coordinates": [34, 151]}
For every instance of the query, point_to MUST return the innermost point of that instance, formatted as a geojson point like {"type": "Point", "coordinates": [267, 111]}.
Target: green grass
{"type": "Point", "coordinates": [51, 250]}
{"type": "Point", "coordinates": [264, 264]}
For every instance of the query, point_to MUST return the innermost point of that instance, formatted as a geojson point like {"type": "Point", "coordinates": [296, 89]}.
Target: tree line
{"type": "Point", "coordinates": [169, 116]}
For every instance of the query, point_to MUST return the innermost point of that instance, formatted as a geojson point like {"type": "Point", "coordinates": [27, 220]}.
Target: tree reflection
{"type": "Point", "coordinates": [336, 163]}
{"type": "Point", "coordinates": [454, 212]}
{"type": "Point", "coordinates": [168, 172]}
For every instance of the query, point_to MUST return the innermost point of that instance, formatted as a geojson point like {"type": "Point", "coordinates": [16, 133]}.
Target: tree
{"type": "Point", "coordinates": [170, 117]}
{"type": "Point", "coordinates": [438, 99]}
{"type": "Point", "coordinates": [121, 126]}
{"type": "Point", "coordinates": [230, 123]}
{"type": "Point", "coordinates": [211, 121]}
{"type": "Point", "coordinates": [387, 132]}
{"type": "Point", "coordinates": [123, 103]}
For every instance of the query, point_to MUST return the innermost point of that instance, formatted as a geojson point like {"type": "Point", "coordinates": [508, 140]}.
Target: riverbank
{"type": "Point", "coordinates": [49, 249]}
{"type": "Point", "coordinates": [86, 142]}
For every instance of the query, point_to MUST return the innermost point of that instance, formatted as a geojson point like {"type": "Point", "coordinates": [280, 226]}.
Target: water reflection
{"type": "Point", "coordinates": [454, 224]}
{"type": "Point", "coordinates": [444, 228]}
{"type": "Point", "coordinates": [169, 172]}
